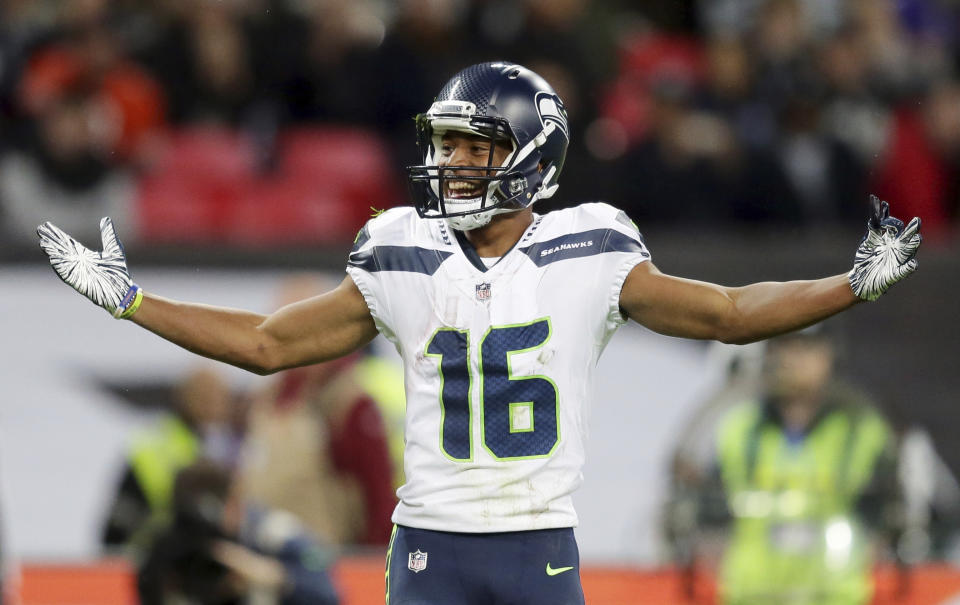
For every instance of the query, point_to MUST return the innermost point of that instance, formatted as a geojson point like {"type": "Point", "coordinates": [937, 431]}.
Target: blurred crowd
{"type": "Point", "coordinates": [747, 112]}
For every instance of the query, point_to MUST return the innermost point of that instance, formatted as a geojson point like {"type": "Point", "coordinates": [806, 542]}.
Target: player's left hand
{"type": "Point", "coordinates": [886, 254]}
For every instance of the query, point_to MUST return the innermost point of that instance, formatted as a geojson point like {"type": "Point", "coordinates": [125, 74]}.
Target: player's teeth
{"type": "Point", "coordinates": [462, 189]}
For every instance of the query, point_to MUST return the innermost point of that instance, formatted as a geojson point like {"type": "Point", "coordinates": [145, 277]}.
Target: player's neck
{"type": "Point", "coordinates": [498, 236]}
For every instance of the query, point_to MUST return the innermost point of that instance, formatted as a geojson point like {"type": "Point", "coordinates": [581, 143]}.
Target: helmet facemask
{"type": "Point", "coordinates": [500, 189]}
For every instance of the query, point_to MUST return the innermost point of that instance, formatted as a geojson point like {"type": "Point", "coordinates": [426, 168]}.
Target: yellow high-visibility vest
{"type": "Point", "coordinates": [382, 380]}
{"type": "Point", "coordinates": [795, 536]}
{"type": "Point", "coordinates": [156, 457]}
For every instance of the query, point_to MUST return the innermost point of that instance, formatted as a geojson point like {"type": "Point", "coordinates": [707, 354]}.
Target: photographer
{"type": "Point", "coordinates": [220, 551]}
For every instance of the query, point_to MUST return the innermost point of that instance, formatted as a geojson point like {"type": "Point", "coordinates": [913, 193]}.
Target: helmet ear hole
{"type": "Point", "coordinates": [513, 75]}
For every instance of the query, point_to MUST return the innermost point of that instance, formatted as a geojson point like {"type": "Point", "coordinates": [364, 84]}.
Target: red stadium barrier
{"type": "Point", "coordinates": [361, 581]}
{"type": "Point", "coordinates": [101, 583]}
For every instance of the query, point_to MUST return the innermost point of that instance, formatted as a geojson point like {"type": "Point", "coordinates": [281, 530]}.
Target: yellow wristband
{"type": "Point", "coordinates": [133, 306]}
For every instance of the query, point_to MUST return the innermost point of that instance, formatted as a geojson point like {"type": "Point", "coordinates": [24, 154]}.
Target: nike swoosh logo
{"type": "Point", "coordinates": [554, 571]}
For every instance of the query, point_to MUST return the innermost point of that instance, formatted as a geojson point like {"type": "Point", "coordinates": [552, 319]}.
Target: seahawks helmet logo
{"type": "Point", "coordinates": [551, 109]}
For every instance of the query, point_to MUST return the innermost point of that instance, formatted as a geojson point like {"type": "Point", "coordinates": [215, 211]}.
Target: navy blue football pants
{"type": "Point", "coordinates": [539, 567]}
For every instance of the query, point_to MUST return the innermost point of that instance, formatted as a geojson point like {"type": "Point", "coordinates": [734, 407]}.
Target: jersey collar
{"type": "Point", "coordinates": [471, 253]}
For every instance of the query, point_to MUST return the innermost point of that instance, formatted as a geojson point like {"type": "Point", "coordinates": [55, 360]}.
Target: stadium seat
{"type": "Point", "coordinates": [187, 194]}
{"type": "Point", "coordinates": [206, 188]}
{"type": "Point", "coordinates": [353, 165]}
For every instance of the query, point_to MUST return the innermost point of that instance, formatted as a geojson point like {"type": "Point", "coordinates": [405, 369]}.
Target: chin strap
{"type": "Point", "coordinates": [470, 222]}
{"type": "Point", "coordinates": [475, 221]}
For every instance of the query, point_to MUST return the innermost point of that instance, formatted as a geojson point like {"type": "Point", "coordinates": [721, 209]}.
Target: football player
{"type": "Point", "coordinates": [500, 315]}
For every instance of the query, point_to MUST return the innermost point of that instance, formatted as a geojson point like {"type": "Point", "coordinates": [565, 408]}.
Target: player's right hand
{"type": "Point", "coordinates": [886, 254]}
{"type": "Point", "coordinates": [100, 276]}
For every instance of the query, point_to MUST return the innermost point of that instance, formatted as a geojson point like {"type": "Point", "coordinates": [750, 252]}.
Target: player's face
{"type": "Point", "coordinates": [463, 149]}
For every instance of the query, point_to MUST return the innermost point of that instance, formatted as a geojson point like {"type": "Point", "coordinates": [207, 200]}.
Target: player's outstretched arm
{"type": "Point", "coordinates": [693, 309]}
{"type": "Point", "coordinates": [310, 331]}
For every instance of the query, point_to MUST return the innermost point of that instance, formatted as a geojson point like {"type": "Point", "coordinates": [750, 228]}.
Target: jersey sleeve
{"type": "Point", "coordinates": [624, 238]}
{"type": "Point", "coordinates": [363, 266]}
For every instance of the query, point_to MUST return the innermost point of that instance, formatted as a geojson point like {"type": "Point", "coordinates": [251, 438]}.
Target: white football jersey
{"type": "Point", "coordinates": [498, 361]}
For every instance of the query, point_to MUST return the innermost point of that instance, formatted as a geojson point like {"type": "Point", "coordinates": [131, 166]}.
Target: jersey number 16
{"type": "Point", "coordinates": [519, 415]}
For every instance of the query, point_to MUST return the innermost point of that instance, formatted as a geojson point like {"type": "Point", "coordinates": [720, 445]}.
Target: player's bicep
{"type": "Point", "coordinates": [320, 328]}
{"type": "Point", "coordinates": [675, 306]}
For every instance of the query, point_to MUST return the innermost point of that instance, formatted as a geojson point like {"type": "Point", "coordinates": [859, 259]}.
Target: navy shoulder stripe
{"type": "Point", "coordinates": [585, 243]}
{"type": "Point", "coordinates": [411, 259]}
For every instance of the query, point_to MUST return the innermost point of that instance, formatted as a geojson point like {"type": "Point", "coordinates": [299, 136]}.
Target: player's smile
{"type": "Point", "coordinates": [462, 190]}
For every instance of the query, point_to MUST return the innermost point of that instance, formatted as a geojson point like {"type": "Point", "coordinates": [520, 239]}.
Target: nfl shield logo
{"type": "Point", "coordinates": [417, 561]}
{"type": "Point", "coordinates": [483, 291]}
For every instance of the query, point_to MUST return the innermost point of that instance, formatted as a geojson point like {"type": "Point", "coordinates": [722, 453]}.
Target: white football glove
{"type": "Point", "coordinates": [100, 276]}
{"type": "Point", "coordinates": [886, 254]}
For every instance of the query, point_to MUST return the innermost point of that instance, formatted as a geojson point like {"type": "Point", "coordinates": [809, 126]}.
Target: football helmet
{"type": "Point", "coordinates": [503, 102]}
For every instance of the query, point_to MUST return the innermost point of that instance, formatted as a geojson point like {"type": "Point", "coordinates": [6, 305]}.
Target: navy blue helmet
{"type": "Point", "coordinates": [504, 102]}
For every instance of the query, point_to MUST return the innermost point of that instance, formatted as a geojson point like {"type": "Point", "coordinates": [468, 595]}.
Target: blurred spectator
{"type": "Point", "coordinates": [144, 494]}
{"type": "Point", "coordinates": [335, 41]}
{"type": "Point", "coordinates": [826, 181]}
{"type": "Point", "coordinates": [382, 379]}
{"type": "Point", "coordinates": [647, 60]}
{"type": "Point", "coordinates": [687, 139]}
{"type": "Point", "coordinates": [738, 17]}
{"type": "Point", "coordinates": [895, 69]}
{"type": "Point", "coordinates": [669, 173]}
{"type": "Point", "coordinates": [919, 168]}
{"type": "Point", "coordinates": [692, 169]}
{"type": "Point", "coordinates": [63, 173]}
{"type": "Point", "coordinates": [84, 110]}
{"type": "Point", "coordinates": [20, 22]}
{"type": "Point", "coordinates": [318, 448]}
{"type": "Point", "coordinates": [729, 92]}
{"type": "Point", "coordinates": [219, 550]}
{"type": "Point", "coordinates": [808, 479]}
{"type": "Point", "coordinates": [694, 454]}
{"type": "Point", "coordinates": [88, 58]}
{"type": "Point", "coordinates": [781, 42]}
{"type": "Point", "coordinates": [825, 177]}
{"type": "Point", "coordinates": [931, 501]}
{"type": "Point", "coordinates": [852, 111]}
{"type": "Point", "coordinates": [202, 56]}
